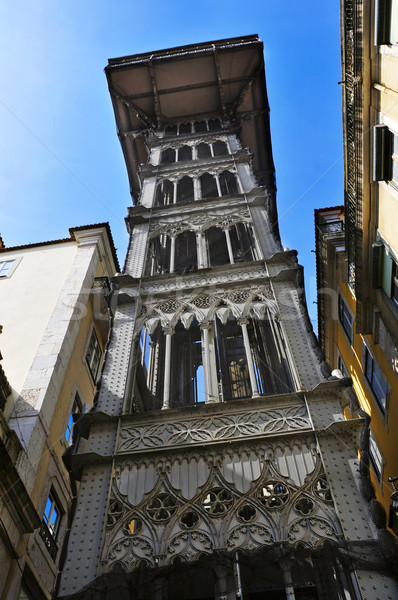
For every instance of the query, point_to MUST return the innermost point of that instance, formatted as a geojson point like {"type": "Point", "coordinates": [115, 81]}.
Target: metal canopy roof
{"type": "Point", "coordinates": [224, 79]}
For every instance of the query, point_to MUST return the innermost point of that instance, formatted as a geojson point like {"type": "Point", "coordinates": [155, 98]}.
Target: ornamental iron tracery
{"type": "Point", "coordinates": [304, 506]}
{"type": "Point", "coordinates": [322, 489]}
{"type": "Point", "coordinates": [115, 511]}
{"type": "Point", "coordinates": [162, 507]}
{"type": "Point", "coordinates": [247, 513]}
{"type": "Point", "coordinates": [219, 516]}
{"type": "Point", "coordinates": [217, 502]}
{"type": "Point", "coordinates": [189, 520]}
{"type": "Point", "coordinates": [273, 494]}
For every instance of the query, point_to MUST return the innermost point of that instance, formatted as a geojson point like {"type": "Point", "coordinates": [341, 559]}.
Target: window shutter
{"type": "Point", "coordinates": [377, 264]}
{"type": "Point", "coordinates": [363, 357]}
{"type": "Point", "coordinates": [386, 273]}
{"type": "Point", "coordinates": [382, 24]}
{"type": "Point", "coordinates": [382, 151]}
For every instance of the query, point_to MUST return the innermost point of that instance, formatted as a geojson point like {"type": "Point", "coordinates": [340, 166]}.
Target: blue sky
{"type": "Point", "coordinates": [60, 160]}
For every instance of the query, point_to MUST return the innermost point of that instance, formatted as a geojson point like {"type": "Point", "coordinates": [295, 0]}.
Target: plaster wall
{"type": "Point", "coordinates": [27, 300]}
{"type": "Point", "coordinates": [388, 214]}
{"type": "Point", "coordinates": [382, 424]}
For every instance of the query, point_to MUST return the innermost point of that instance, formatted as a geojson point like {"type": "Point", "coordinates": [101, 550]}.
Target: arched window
{"type": "Point", "coordinates": [185, 128]}
{"type": "Point", "coordinates": [187, 386]}
{"type": "Point", "coordinates": [208, 186]}
{"type": "Point", "coordinates": [228, 183]}
{"type": "Point", "coordinates": [217, 249]}
{"type": "Point", "coordinates": [203, 150]}
{"type": "Point", "coordinates": [185, 190]}
{"type": "Point", "coordinates": [184, 153]}
{"type": "Point", "coordinates": [187, 378]}
{"type": "Point", "coordinates": [232, 361]}
{"type": "Point", "coordinates": [200, 126]}
{"type": "Point", "coordinates": [168, 156]}
{"type": "Point", "coordinates": [269, 357]}
{"type": "Point", "coordinates": [185, 253]}
{"type": "Point", "coordinates": [220, 148]}
{"type": "Point", "coordinates": [214, 124]}
{"type": "Point", "coordinates": [164, 193]}
{"type": "Point", "coordinates": [171, 130]}
{"type": "Point", "coordinates": [242, 242]}
{"type": "Point", "coordinates": [158, 258]}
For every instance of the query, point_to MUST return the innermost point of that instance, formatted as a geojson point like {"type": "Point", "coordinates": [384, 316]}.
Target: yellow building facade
{"type": "Point", "coordinates": [55, 317]}
{"type": "Point", "coordinates": [357, 245]}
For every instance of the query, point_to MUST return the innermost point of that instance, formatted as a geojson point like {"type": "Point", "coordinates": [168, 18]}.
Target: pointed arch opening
{"type": "Point", "coordinates": [220, 148]}
{"type": "Point", "coordinates": [228, 183]}
{"type": "Point", "coordinates": [242, 242]}
{"type": "Point", "coordinates": [214, 124]}
{"type": "Point", "coordinates": [185, 192]}
{"type": "Point", "coordinates": [164, 193]}
{"type": "Point", "coordinates": [158, 258]}
{"type": "Point", "coordinates": [216, 246]}
{"type": "Point", "coordinates": [168, 156]}
{"type": "Point", "coordinates": [208, 186]}
{"type": "Point", "coordinates": [185, 128]}
{"type": "Point", "coordinates": [203, 150]}
{"type": "Point", "coordinates": [186, 259]}
{"type": "Point", "coordinates": [200, 126]}
{"type": "Point", "coordinates": [184, 153]}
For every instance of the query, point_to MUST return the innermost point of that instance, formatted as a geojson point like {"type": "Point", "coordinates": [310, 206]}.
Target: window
{"type": "Point", "coordinates": [171, 130]}
{"type": "Point", "coordinates": [228, 183]}
{"type": "Point", "coordinates": [203, 150]}
{"type": "Point", "coordinates": [341, 365]}
{"type": "Point", "coordinates": [168, 156]}
{"type": "Point", "coordinates": [214, 124]}
{"type": "Point", "coordinates": [52, 515]}
{"type": "Point", "coordinates": [185, 128]}
{"type": "Point", "coordinates": [185, 191]}
{"type": "Point", "coordinates": [164, 193]}
{"type": "Point", "coordinates": [386, 29]}
{"type": "Point", "coordinates": [200, 126]}
{"type": "Point", "coordinates": [346, 319]}
{"type": "Point", "coordinates": [385, 154]}
{"type": "Point", "coordinates": [220, 148]}
{"type": "Point", "coordinates": [384, 271]}
{"type": "Point", "coordinates": [6, 267]}
{"type": "Point", "coordinates": [376, 457]}
{"type": "Point", "coordinates": [93, 355]}
{"type": "Point", "coordinates": [51, 523]}
{"type": "Point", "coordinates": [184, 153]}
{"type": "Point", "coordinates": [376, 379]}
{"type": "Point", "coordinates": [208, 186]}
{"type": "Point", "coordinates": [76, 408]}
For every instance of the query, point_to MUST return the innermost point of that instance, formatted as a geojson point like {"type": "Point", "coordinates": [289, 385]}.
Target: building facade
{"type": "Point", "coordinates": [218, 463]}
{"type": "Point", "coordinates": [358, 327]}
{"type": "Point", "coordinates": [55, 323]}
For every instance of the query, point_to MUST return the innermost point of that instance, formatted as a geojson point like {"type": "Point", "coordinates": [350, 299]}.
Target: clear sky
{"type": "Point", "coordinates": [61, 164]}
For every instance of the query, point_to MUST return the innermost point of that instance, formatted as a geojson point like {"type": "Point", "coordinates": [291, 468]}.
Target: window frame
{"type": "Point", "coordinates": [46, 519]}
{"type": "Point", "coordinates": [76, 408]}
{"type": "Point", "coordinates": [376, 460]}
{"type": "Point", "coordinates": [94, 376]}
{"type": "Point", "coordinates": [341, 363]}
{"type": "Point", "coordinates": [368, 368]}
{"type": "Point", "coordinates": [384, 10]}
{"type": "Point", "coordinates": [344, 310]}
{"type": "Point", "coordinates": [14, 263]}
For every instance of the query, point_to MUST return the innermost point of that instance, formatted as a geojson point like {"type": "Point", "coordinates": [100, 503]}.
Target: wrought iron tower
{"type": "Point", "coordinates": [218, 462]}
